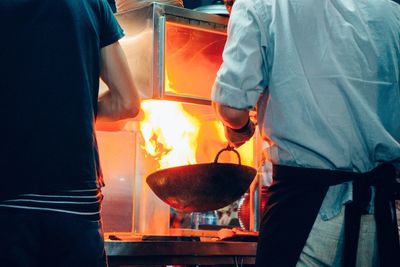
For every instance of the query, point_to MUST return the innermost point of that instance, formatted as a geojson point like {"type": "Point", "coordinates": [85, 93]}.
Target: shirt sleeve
{"type": "Point", "coordinates": [243, 75]}
{"type": "Point", "coordinates": [110, 31]}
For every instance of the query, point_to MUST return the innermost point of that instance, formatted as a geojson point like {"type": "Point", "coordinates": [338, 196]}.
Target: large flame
{"type": "Point", "coordinates": [172, 136]}
{"type": "Point", "coordinates": [169, 132]}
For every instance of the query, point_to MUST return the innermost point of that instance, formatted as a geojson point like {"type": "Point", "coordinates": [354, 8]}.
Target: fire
{"type": "Point", "coordinates": [169, 133]}
{"type": "Point", "coordinates": [172, 137]}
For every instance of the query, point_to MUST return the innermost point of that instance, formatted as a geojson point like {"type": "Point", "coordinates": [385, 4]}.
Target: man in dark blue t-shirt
{"type": "Point", "coordinates": [52, 54]}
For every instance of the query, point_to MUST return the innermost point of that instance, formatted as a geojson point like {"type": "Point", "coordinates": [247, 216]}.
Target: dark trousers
{"type": "Point", "coordinates": [31, 238]}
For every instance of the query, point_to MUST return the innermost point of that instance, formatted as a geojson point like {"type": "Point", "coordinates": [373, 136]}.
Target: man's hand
{"type": "Point", "coordinates": [238, 137]}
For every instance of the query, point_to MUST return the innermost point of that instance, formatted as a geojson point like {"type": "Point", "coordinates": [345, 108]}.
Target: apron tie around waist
{"type": "Point", "coordinates": [295, 197]}
{"type": "Point", "coordinates": [383, 179]}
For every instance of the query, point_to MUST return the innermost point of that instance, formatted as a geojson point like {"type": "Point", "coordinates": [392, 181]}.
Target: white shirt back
{"type": "Point", "coordinates": [325, 76]}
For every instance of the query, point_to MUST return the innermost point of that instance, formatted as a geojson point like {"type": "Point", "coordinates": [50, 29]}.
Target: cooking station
{"type": "Point", "coordinates": [227, 247]}
{"type": "Point", "coordinates": [175, 193]}
{"type": "Point", "coordinates": [153, 253]}
{"type": "Point", "coordinates": [161, 207]}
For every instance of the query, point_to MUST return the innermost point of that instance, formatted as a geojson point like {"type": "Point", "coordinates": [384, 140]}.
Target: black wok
{"type": "Point", "coordinates": [202, 187]}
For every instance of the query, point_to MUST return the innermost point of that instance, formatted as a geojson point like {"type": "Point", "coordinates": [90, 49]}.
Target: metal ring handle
{"type": "Point", "coordinates": [228, 148]}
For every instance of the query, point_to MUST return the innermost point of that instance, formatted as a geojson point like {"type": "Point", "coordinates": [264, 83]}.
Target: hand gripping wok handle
{"type": "Point", "coordinates": [228, 148]}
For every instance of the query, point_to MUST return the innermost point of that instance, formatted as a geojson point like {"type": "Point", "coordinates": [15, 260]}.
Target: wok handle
{"type": "Point", "coordinates": [228, 148]}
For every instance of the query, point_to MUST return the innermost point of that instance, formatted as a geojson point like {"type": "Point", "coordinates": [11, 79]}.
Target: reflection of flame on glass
{"type": "Point", "coordinates": [170, 133]}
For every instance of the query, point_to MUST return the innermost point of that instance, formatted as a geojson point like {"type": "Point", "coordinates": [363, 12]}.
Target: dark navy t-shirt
{"type": "Point", "coordinates": [49, 80]}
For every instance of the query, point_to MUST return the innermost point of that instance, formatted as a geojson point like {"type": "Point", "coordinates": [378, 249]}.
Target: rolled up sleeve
{"type": "Point", "coordinates": [242, 76]}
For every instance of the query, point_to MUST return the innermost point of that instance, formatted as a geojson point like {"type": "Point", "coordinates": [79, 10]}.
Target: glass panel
{"type": "Point", "coordinates": [192, 59]}
{"type": "Point", "coordinates": [117, 157]}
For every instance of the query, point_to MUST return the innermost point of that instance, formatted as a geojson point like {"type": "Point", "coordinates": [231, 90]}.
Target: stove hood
{"type": "Point", "coordinates": [174, 53]}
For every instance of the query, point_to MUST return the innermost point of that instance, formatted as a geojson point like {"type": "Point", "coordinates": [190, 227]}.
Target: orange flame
{"type": "Point", "coordinates": [169, 132]}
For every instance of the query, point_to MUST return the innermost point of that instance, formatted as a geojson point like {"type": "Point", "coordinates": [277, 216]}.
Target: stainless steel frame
{"type": "Point", "coordinates": [148, 65]}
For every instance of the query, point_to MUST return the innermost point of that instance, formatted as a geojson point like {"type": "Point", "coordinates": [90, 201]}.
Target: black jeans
{"type": "Point", "coordinates": [30, 238]}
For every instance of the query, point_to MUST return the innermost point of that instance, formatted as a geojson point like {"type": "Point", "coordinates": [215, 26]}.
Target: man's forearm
{"type": "Point", "coordinates": [231, 117]}
{"type": "Point", "coordinates": [111, 107]}
{"type": "Point", "coordinates": [121, 101]}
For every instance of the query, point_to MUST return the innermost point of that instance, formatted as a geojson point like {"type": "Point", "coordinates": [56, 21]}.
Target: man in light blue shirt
{"type": "Point", "coordinates": [324, 78]}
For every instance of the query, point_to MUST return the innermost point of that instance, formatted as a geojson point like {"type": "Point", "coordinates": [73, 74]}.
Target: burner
{"type": "Point", "coordinates": [169, 238]}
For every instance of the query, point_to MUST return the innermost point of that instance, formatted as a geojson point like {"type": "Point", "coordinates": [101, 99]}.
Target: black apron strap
{"type": "Point", "coordinates": [352, 220]}
{"type": "Point", "coordinates": [385, 217]}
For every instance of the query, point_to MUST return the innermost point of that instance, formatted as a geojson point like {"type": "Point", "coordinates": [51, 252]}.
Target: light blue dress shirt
{"type": "Point", "coordinates": [324, 76]}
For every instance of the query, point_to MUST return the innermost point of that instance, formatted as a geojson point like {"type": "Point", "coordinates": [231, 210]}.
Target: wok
{"type": "Point", "coordinates": [202, 187]}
